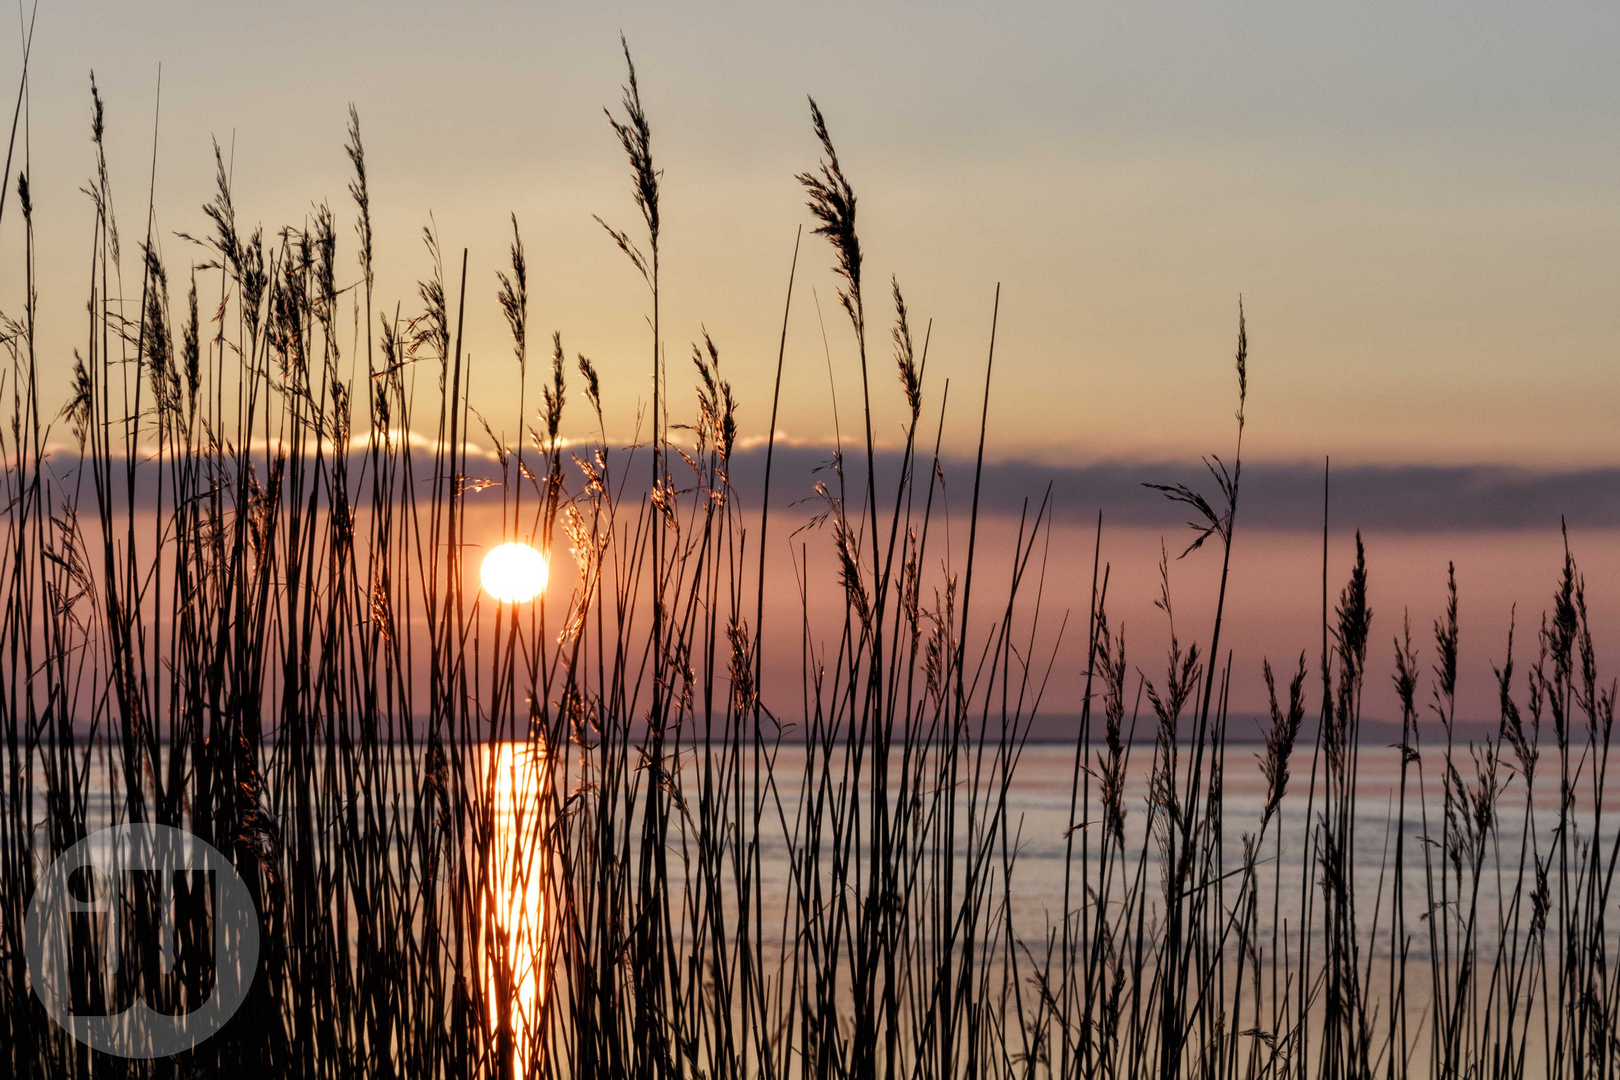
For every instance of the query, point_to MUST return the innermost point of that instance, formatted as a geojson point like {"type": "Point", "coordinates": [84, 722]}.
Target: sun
{"type": "Point", "coordinates": [513, 573]}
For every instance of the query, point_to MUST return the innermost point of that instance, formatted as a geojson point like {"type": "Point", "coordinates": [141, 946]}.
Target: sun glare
{"type": "Point", "coordinates": [513, 573]}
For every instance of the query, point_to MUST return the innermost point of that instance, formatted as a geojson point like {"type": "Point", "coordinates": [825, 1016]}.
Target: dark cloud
{"type": "Point", "coordinates": [1384, 498]}
{"type": "Point", "coordinates": [1399, 498]}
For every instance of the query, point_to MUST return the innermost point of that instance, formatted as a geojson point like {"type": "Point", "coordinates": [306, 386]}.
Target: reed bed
{"type": "Point", "coordinates": [237, 595]}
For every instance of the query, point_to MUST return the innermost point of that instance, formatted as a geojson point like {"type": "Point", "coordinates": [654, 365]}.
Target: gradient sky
{"type": "Point", "coordinates": [1417, 202]}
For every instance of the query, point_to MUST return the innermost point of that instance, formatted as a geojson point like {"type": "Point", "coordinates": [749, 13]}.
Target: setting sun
{"type": "Point", "coordinates": [513, 573]}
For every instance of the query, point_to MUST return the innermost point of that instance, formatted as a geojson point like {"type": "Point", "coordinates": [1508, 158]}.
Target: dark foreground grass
{"type": "Point", "coordinates": [553, 840]}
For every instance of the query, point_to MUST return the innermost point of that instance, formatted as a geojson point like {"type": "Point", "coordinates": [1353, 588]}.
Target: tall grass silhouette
{"type": "Point", "coordinates": [559, 839]}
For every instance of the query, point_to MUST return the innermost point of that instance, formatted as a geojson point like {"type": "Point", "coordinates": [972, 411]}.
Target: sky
{"type": "Point", "coordinates": [1415, 202]}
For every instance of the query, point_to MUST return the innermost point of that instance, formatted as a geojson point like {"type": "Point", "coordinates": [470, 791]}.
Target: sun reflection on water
{"type": "Point", "coordinates": [515, 896]}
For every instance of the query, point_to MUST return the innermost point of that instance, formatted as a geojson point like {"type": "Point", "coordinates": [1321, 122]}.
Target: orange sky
{"type": "Point", "coordinates": [1416, 203]}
